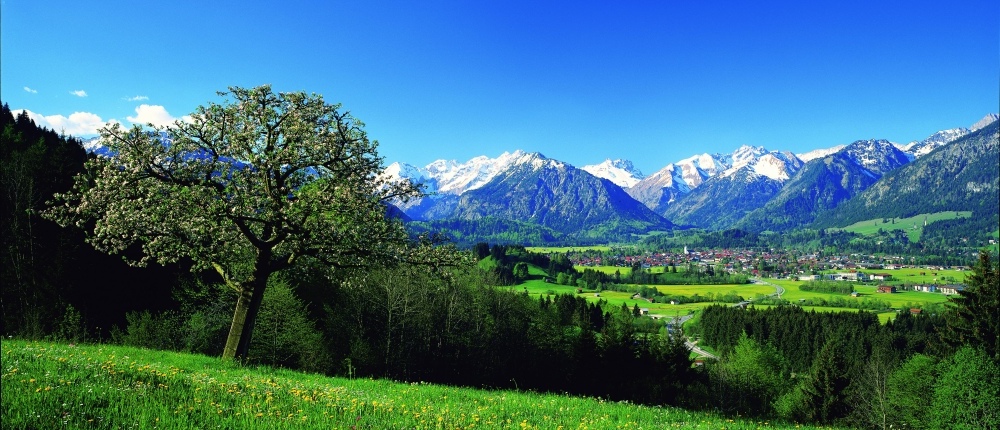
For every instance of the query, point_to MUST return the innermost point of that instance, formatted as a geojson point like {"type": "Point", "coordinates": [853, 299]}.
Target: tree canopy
{"type": "Point", "coordinates": [245, 187]}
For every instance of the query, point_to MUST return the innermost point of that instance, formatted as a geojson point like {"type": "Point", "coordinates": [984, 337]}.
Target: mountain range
{"type": "Point", "coordinates": [752, 188]}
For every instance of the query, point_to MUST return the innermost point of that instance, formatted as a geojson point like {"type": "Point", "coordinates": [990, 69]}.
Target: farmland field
{"type": "Point", "coordinates": [911, 275]}
{"type": "Point", "coordinates": [896, 300]}
{"type": "Point", "coordinates": [564, 249]}
{"type": "Point", "coordinates": [625, 271]}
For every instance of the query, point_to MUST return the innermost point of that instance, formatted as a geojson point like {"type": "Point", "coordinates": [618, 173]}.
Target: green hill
{"type": "Point", "coordinates": [49, 385]}
{"type": "Point", "coordinates": [914, 225]}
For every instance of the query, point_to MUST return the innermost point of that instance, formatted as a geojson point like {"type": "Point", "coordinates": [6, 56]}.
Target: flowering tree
{"type": "Point", "coordinates": [244, 188]}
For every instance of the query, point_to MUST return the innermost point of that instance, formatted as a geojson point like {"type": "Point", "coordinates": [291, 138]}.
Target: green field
{"type": "Point", "coordinates": [898, 300]}
{"type": "Point", "coordinates": [913, 225]}
{"type": "Point", "coordinates": [50, 385]}
{"type": "Point", "coordinates": [910, 275]}
{"type": "Point", "coordinates": [538, 287]}
{"type": "Point", "coordinates": [565, 249]}
{"type": "Point", "coordinates": [625, 271]}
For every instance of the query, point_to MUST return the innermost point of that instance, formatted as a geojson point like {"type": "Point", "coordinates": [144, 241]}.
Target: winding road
{"type": "Point", "coordinates": [778, 291]}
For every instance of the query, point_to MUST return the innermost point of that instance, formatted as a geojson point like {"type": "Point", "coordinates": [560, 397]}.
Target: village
{"type": "Point", "coordinates": [866, 269]}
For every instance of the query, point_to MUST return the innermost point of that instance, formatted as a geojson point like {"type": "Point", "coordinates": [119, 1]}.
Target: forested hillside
{"type": "Point", "coordinates": [51, 279]}
{"type": "Point", "coordinates": [961, 176]}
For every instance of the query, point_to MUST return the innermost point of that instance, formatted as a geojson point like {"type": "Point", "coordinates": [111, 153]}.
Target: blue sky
{"type": "Point", "coordinates": [649, 81]}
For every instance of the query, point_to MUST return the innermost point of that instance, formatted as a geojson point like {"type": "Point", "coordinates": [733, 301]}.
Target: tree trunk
{"type": "Point", "coordinates": [253, 309]}
{"type": "Point", "coordinates": [247, 308]}
{"type": "Point", "coordinates": [236, 329]}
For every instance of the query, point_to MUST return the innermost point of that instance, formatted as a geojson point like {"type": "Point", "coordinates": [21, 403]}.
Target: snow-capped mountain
{"type": "Point", "coordinates": [706, 190]}
{"type": "Point", "coordinates": [983, 123]}
{"type": "Point", "coordinates": [698, 168]}
{"type": "Point", "coordinates": [456, 178]}
{"type": "Point", "coordinates": [936, 140]}
{"type": "Point", "coordinates": [824, 183]}
{"type": "Point", "coordinates": [558, 196]}
{"type": "Point", "coordinates": [944, 137]}
{"type": "Point", "coordinates": [659, 190]}
{"type": "Point", "coordinates": [776, 165]}
{"type": "Point", "coordinates": [877, 157]}
{"type": "Point", "coordinates": [961, 176]}
{"type": "Point", "coordinates": [399, 171]}
{"type": "Point", "coordinates": [452, 177]}
{"type": "Point", "coordinates": [95, 145]}
{"type": "Point", "coordinates": [818, 153]}
{"type": "Point", "coordinates": [620, 172]}
{"type": "Point", "coordinates": [753, 176]}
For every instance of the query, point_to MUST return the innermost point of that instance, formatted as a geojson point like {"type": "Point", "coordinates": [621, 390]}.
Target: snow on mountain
{"type": "Point", "coordinates": [671, 176]}
{"type": "Point", "coordinates": [944, 137]}
{"type": "Point", "coordinates": [661, 189]}
{"type": "Point", "coordinates": [620, 172]}
{"type": "Point", "coordinates": [876, 156]}
{"type": "Point", "coordinates": [398, 171]}
{"type": "Point", "coordinates": [934, 141]}
{"type": "Point", "coordinates": [452, 177]}
{"type": "Point", "coordinates": [696, 169]}
{"type": "Point", "coordinates": [745, 155]}
{"type": "Point", "coordinates": [93, 144]}
{"type": "Point", "coordinates": [457, 178]}
{"type": "Point", "coordinates": [775, 165]}
{"type": "Point", "coordinates": [818, 153]}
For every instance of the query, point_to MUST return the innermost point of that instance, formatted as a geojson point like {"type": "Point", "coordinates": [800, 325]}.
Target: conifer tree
{"type": "Point", "coordinates": [974, 314]}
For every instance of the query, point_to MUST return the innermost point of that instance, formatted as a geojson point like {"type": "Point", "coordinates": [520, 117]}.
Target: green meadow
{"type": "Point", "coordinates": [52, 385]}
{"type": "Point", "coordinates": [911, 275]}
{"type": "Point", "coordinates": [913, 225]}
{"type": "Point", "coordinates": [565, 249]}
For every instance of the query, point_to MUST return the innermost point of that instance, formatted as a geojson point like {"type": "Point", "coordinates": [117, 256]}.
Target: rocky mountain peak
{"type": "Point", "coordinates": [621, 172]}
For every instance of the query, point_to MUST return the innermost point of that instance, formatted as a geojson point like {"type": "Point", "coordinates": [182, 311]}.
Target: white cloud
{"type": "Point", "coordinates": [79, 93]}
{"type": "Point", "coordinates": [77, 124]}
{"type": "Point", "coordinates": [136, 98]}
{"type": "Point", "coordinates": [154, 114]}
{"type": "Point", "coordinates": [32, 91]}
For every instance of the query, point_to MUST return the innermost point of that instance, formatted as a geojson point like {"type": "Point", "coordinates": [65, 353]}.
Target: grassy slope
{"type": "Point", "coordinates": [914, 225]}
{"type": "Point", "coordinates": [48, 385]}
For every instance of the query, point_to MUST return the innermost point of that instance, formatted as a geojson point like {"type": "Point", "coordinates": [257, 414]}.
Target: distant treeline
{"type": "Point", "coordinates": [948, 242]}
{"type": "Point", "coordinates": [832, 287]}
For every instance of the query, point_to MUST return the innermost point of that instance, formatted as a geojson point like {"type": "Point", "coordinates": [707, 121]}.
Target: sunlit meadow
{"type": "Point", "coordinates": [49, 385]}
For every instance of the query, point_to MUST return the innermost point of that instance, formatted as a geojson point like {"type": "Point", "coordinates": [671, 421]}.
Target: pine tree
{"type": "Point", "coordinates": [824, 391]}
{"type": "Point", "coordinates": [974, 315]}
